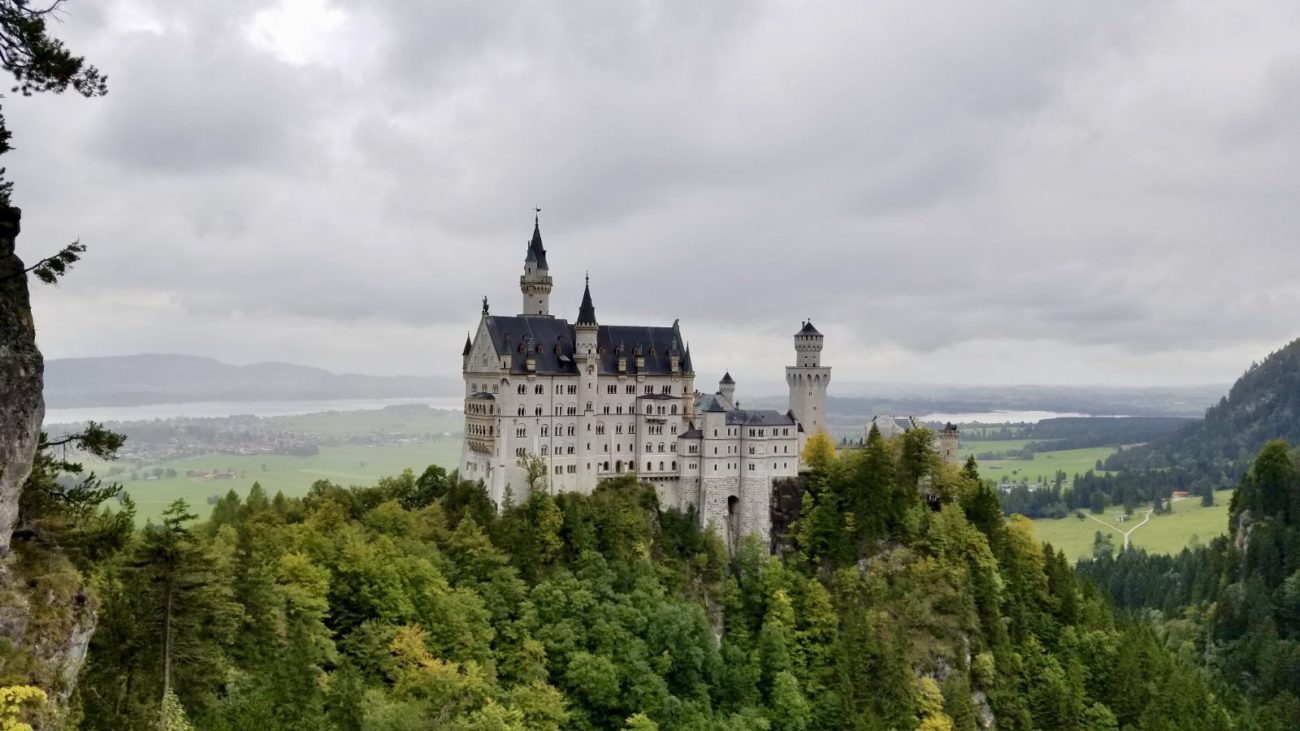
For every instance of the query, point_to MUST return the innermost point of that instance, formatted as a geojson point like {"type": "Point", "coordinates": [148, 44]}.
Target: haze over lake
{"type": "Point", "coordinates": [199, 409]}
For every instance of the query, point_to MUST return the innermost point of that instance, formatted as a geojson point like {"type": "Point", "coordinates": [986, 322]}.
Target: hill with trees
{"type": "Point", "coordinates": [1233, 605]}
{"type": "Point", "coordinates": [1263, 404]}
{"type": "Point", "coordinates": [900, 598]}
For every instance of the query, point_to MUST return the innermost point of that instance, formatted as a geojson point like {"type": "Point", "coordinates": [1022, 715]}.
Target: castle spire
{"type": "Point", "coordinates": [535, 284]}
{"type": "Point", "coordinates": [586, 311]}
{"type": "Point", "coordinates": [536, 252]}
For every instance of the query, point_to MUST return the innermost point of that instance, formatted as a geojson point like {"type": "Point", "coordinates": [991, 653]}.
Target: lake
{"type": "Point", "coordinates": [998, 417]}
{"type": "Point", "coordinates": [200, 409]}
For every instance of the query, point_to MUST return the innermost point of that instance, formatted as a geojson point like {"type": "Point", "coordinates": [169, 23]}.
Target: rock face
{"type": "Point", "coordinates": [46, 615]}
{"type": "Point", "coordinates": [22, 408]}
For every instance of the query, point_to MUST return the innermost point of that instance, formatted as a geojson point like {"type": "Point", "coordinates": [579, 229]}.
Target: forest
{"type": "Point", "coordinates": [900, 598]}
{"type": "Point", "coordinates": [1232, 605]}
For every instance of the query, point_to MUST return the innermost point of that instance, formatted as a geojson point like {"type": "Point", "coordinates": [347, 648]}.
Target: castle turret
{"type": "Point", "coordinates": [949, 443]}
{"type": "Point", "coordinates": [464, 355]}
{"type": "Point", "coordinates": [808, 379]}
{"type": "Point", "coordinates": [727, 387]}
{"type": "Point", "coordinates": [535, 284]}
{"type": "Point", "coordinates": [587, 357]}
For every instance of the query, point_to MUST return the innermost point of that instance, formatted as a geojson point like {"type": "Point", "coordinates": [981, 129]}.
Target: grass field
{"type": "Point", "coordinates": [393, 420]}
{"type": "Point", "coordinates": [1162, 534]}
{"type": "Point", "coordinates": [347, 465]}
{"type": "Point", "coordinates": [1043, 465]}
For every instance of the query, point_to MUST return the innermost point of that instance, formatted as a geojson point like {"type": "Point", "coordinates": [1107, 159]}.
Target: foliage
{"type": "Point", "coordinates": [14, 700]}
{"type": "Point", "coordinates": [1232, 605]}
{"type": "Point", "coordinates": [415, 604]}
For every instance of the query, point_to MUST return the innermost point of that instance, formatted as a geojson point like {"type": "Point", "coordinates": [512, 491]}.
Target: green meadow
{"type": "Point", "coordinates": [1167, 533]}
{"type": "Point", "coordinates": [292, 475]}
{"type": "Point", "coordinates": [1043, 466]}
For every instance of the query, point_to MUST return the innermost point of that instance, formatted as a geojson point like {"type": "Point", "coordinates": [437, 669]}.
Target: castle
{"type": "Point", "coordinates": [594, 401]}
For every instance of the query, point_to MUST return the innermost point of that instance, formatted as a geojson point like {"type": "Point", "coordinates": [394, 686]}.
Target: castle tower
{"type": "Point", "coordinates": [727, 387]}
{"type": "Point", "coordinates": [808, 380]}
{"type": "Point", "coordinates": [949, 444]}
{"type": "Point", "coordinates": [587, 356]}
{"type": "Point", "coordinates": [535, 284]}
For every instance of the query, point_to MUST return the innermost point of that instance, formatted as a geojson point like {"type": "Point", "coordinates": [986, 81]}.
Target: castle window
{"type": "Point", "coordinates": [606, 410]}
{"type": "Point", "coordinates": [715, 468]}
{"type": "Point", "coordinates": [649, 447]}
{"type": "Point", "coordinates": [570, 449]}
{"type": "Point", "coordinates": [674, 411]}
{"type": "Point", "coordinates": [520, 452]}
{"type": "Point", "coordinates": [619, 410]}
{"type": "Point", "coordinates": [573, 389]}
{"type": "Point", "coordinates": [672, 447]}
{"type": "Point", "coordinates": [572, 410]}
{"type": "Point", "coordinates": [611, 388]}
{"type": "Point", "coordinates": [648, 467]}
{"type": "Point", "coordinates": [559, 469]}
{"type": "Point", "coordinates": [571, 429]}
{"type": "Point", "coordinates": [674, 465]}
{"type": "Point", "coordinates": [521, 388]}
{"type": "Point", "coordinates": [604, 447]}
{"type": "Point", "coordinates": [521, 432]}
{"type": "Point", "coordinates": [559, 389]}
{"type": "Point", "coordinates": [661, 465]}
{"type": "Point", "coordinates": [538, 389]}
{"type": "Point", "coordinates": [630, 388]}
{"type": "Point", "coordinates": [521, 411]}
{"type": "Point", "coordinates": [649, 409]}
{"type": "Point", "coordinates": [600, 428]}
{"type": "Point", "coordinates": [715, 433]}
{"type": "Point", "coordinates": [605, 466]}
{"type": "Point", "coordinates": [546, 430]}
{"type": "Point", "coordinates": [588, 406]}
{"type": "Point", "coordinates": [571, 469]}
{"type": "Point", "coordinates": [715, 450]}
{"type": "Point", "coordinates": [537, 411]}
{"type": "Point", "coordinates": [667, 389]}
{"type": "Point", "coordinates": [673, 428]}
{"type": "Point", "coordinates": [544, 450]}
{"type": "Point", "coordinates": [618, 428]}
{"type": "Point", "coordinates": [649, 389]}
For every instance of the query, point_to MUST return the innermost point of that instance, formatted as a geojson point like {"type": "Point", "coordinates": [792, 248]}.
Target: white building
{"type": "Point", "coordinates": [597, 401]}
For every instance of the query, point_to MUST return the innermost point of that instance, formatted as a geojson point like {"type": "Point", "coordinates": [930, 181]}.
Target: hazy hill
{"type": "Point", "coordinates": [132, 380]}
{"type": "Point", "coordinates": [1263, 404]}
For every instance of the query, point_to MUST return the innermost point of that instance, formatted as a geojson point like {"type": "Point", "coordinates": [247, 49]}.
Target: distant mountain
{"type": "Point", "coordinates": [133, 380]}
{"type": "Point", "coordinates": [1263, 404]}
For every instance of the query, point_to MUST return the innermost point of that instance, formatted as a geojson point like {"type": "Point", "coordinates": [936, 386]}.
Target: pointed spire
{"type": "Point", "coordinates": [468, 345]}
{"type": "Point", "coordinates": [536, 252]}
{"type": "Point", "coordinates": [726, 378]}
{"type": "Point", "coordinates": [587, 311]}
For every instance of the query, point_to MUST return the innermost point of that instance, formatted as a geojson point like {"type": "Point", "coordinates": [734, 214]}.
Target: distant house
{"type": "Point", "coordinates": [1180, 493]}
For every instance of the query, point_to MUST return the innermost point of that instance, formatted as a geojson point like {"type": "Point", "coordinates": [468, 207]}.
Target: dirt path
{"type": "Point", "coordinates": [1128, 532]}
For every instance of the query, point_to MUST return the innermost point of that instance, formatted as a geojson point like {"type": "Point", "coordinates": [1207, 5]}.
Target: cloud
{"type": "Point", "coordinates": [1012, 186]}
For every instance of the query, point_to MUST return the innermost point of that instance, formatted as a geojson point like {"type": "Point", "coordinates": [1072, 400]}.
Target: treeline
{"type": "Point", "coordinates": [1232, 605]}
{"type": "Point", "coordinates": [1095, 492]}
{"type": "Point", "coordinates": [901, 599]}
{"type": "Point", "coordinates": [1077, 432]}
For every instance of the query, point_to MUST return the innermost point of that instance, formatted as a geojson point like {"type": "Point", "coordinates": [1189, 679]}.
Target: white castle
{"type": "Point", "coordinates": [595, 401]}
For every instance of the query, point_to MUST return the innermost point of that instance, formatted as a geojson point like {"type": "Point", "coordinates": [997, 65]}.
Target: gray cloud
{"type": "Point", "coordinates": [1104, 189]}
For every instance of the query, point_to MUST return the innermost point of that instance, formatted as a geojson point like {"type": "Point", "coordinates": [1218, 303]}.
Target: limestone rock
{"type": "Point", "coordinates": [22, 408]}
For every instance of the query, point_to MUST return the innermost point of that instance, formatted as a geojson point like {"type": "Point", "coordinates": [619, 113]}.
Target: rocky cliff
{"type": "Point", "coordinates": [46, 616]}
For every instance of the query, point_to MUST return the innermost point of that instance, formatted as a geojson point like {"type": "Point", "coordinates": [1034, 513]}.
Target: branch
{"type": "Point", "coordinates": [49, 269]}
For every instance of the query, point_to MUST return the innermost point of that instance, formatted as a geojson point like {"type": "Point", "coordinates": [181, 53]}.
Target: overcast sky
{"type": "Point", "coordinates": [1090, 192]}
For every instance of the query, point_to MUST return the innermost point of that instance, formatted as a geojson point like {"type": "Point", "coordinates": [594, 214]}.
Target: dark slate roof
{"type": "Point", "coordinates": [808, 329]}
{"type": "Point", "coordinates": [586, 311]}
{"type": "Point", "coordinates": [759, 417]}
{"type": "Point", "coordinates": [726, 378]}
{"type": "Point", "coordinates": [535, 250]}
{"type": "Point", "coordinates": [468, 345]}
{"type": "Point", "coordinates": [508, 332]}
{"type": "Point", "coordinates": [711, 402]}
{"type": "Point", "coordinates": [692, 433]}
{"type": "Point", "coordinates": [483, 394]}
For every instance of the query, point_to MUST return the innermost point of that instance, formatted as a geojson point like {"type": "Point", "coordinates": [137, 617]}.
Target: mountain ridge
{"type": "Point", "coordinates": [153, 378]}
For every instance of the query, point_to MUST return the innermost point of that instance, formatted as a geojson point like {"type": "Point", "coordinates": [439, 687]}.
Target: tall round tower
{"type": "Point", "coordinates": [586, 334]}
{"type": "Point", "coordinates": [535, 284]}
{"type": "Point", "coordinates": [808, 379]}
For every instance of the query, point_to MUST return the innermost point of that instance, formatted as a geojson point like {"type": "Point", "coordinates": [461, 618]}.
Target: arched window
{"type": "Point", "coordinates": [648, 467]}
{"type": "Point", "coordinates": [544, 450]}
{"type": "Point", "coordinates": [674, 466]}
{"type": "Point", "coordinates": [521, 388]}
{"type": "Point", "coordinates": [538, 411]}
{"type": "Point", "coordinates": [661, 465]}
{"type": "Point", "coordinates": [546, 430]}
{"type": "Point", "coordinates": [673, 411]}
{"type": "Point", "coordinates": [521, 411]}
{"type": "Point", "coordinates": [537, 389]}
